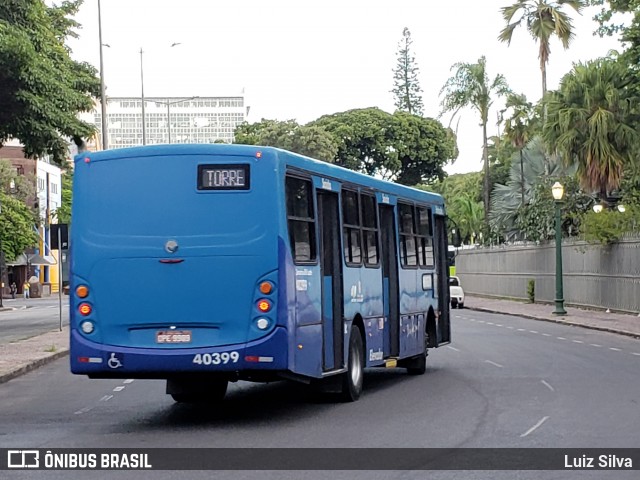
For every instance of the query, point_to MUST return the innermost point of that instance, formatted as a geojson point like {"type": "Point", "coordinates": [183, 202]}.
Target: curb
{"type": "Point", "coordinates": [33, 365]}
{"type": "Point", "coordinates": [563, 322]}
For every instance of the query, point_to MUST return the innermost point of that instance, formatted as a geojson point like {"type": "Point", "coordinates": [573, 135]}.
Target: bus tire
{"type": "Point", "coordinates": [214, 393]}
{"type": "Point", "coordinates": [418, 364]}
{"type": "Point", "coordinates": [352, 380]}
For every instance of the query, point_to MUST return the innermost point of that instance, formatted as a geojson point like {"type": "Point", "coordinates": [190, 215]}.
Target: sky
{"type": "Point", "coordinates": [303, 59]}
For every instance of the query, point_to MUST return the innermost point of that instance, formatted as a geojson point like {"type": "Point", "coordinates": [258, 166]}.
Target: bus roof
{"type": "Point", "coordinates": [295, 160]}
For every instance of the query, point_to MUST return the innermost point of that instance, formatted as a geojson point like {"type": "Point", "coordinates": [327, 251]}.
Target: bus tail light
{"type": "Point", "coordinates": [84, 309]}
{"type": "Point", "coordinates": [82, 291]}
{"type": "Point", "coordinates": [264, 305]}
{"type": "Point", "coordinates": [266, 288]}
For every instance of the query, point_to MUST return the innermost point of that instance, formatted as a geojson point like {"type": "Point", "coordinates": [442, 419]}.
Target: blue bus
{"type": "Point", "coordinates": [204, 264]}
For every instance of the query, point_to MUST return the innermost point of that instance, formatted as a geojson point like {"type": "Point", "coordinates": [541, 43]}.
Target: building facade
{"type": "Point", "coordinates": [40, 261]}
{"type": "Point", "coordinates": [171, 120]}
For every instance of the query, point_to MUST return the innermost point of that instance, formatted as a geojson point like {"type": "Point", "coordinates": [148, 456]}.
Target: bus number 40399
{"type": "Point", "coordinates": [216, 358]}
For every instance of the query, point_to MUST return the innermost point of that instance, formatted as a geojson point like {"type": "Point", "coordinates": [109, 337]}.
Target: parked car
{"type": "Point", "coordinates": [456, 293]}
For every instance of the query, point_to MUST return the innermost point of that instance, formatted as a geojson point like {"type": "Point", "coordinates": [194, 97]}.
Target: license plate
{"type": "Point", "coordinates": [173, 336]}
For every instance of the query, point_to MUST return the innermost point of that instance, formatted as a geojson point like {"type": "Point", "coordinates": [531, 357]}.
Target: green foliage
{"type": "Point", "coordinates": [16, 226]}
{"type": "Point", "coordinates": [43, 89]}
{"type": "Point", "coordinates": [536, 220]}
{"type": "Point", "coordinates": [24, 186]}
{"type": "Point", "coordinates": [500, 152]}
{"type": "Point", "coordinates": [312, 141]}
{"type": "Point", "coordinates": [463, 199]}
{"type": "Point", "coordinates": [406, 88]}
{"type": "Point", "coordinates": [531, 290]}
{"type": "Point", "coordinates": [590, 120]}
{"type": "Point", "coordinates": [609, 225]}
{"type": "Point", "coordinates": [470, 87]}
{"type": "Point", "coordinates": [63, 213]}
{"type": "Point", "coordinates": [543, 19]}
{"type": "Point", "coordinates": [401, 147]}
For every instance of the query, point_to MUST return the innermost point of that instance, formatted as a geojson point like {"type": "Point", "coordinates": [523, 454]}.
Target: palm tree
{"type": "Point", "coordinates": [518, 129]}
{"type": "Point", "coordinates": [543, 19]}
{"type": "Point", "coordinates": [470, 87]}
{"type": "Point", "coordinates": [589, 121]}
{"type": "Point", "coordinates": [506, 200]}
{"type": "Point", "coordinates": [469, 216]}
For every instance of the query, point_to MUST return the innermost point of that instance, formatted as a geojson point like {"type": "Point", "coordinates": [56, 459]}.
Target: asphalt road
{"type": "Point", "coordinates": [504, 382]}
{"type": "Point", "coordinates": [31, 317]}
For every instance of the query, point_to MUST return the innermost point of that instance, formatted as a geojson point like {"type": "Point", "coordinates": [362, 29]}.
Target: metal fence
{"type": "Point", "coordinates": [594, 276]}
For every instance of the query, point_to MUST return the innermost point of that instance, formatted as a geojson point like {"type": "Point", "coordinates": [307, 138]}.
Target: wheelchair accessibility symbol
{"type": "Point", "coordinates": [114, 362]}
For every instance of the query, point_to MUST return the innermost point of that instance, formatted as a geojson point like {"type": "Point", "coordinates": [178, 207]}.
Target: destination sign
{"type": "Point", "coordinates": [223, 177]}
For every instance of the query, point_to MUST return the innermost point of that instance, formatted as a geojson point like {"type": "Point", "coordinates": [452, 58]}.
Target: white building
{"type": "Point", "coordinates": [171, 120]}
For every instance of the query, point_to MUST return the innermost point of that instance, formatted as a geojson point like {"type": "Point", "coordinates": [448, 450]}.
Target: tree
{"type": "Point", "coordinates": [470, 87]}
{"type": "Point", "coordinates": [16, 219]}
{"type": "Point", "coordinates": [312, 141]}
{"type": "Point", "coordinates": [518, 128]}
{"type": "Point", "coordinates": [507, 208]}
{"type": "Point", "coordinates": [63, 213]}
{"type": "Point", "coordinates": [590, 121]}
{"type": "Point", "coordinates": [543, 19]}
{"type": "Point", "coordinates": [406, 88]}
{"type": "Point", "coordinates": [404, 148]}
{"type": "Point", "coordinates": [42, 89]}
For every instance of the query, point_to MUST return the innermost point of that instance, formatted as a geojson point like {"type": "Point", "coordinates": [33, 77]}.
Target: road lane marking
{"type": "Point", "coordinates": [106, 398]}
{"type": "Point", "coordinates": [83, 410]}
{"type": "Point", "coordinates": [577, 341]}
{"type": "Point", "coordinates": [510, 328]}
{"type": "Point", "coordinates": [546, 334]}
{"type": "Point", "coordinates": [532, 429]}
{"type": "Point", "coordinates": [636, 354]}
{"type": "Point", "coordinates": [128, 380]}
{"type": "Point", "coordinates": [522, 330]}
{"type": "Point", "coordinates": [453, 348]}
{"type": "Point", "coordinates": [498, 324]}
{"type": "Point", "coordinates": [532, 331]}
{"type": "Point", "coordinates": [118, 389]}
{"type": "Point", "coordinates": [547, 385]}
{"type": "Point", "coordinates": [595, 345]}
{"type": "Point", "coordinates": [495, 364]}
{"type": "Point", "coordinates": [615, 349]}
{"type": "Point", "coordinates": [561, 338]}
{"type": "Point", "coordinates": [489, 323]}
{"type": "Point", "coordinates": [480, 321]}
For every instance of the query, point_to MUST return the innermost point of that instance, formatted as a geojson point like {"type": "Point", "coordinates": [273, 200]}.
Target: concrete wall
{"type": "Point", "coordinates": [593, 275]}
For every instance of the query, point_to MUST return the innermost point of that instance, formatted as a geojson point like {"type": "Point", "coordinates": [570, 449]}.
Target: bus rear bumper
{"type": "Point", "coordinates": [98, 360]}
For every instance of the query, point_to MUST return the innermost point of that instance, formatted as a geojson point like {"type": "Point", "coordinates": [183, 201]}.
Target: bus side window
{"type": "Point", "coordinates": [301, 220]}
{"type": "Point", "coordinates": [425, 238]}
{"type": "Point", "coordinates": [369, 229]}
{"type": "Point", "coordinates": [351, 222]}
{"type": "Point", "coordinates": [408, 257]}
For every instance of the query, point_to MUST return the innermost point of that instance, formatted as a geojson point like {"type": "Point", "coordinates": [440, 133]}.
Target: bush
{"type": "Point", "coordinates": [609, 226]}
{"type": "Point", "coordinates": [531, 291]}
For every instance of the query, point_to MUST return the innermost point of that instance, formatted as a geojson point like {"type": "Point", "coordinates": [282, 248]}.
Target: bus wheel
{"type": "Point", "coordinates": [352, 380]}
{"type": "Point", "coordinates": [214, 391]}
{"type": "Point", "coordinates": [418, 364]}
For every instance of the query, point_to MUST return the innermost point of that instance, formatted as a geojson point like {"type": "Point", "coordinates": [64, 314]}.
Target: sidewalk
{"type": "Point", "coordinates": [621, 323]}
{"type": "Point", "coordinates": [26, 355]}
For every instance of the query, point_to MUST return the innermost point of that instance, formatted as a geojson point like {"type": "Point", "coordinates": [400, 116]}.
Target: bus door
{"type": "Point", "coordinates": [331, 272]}
{"type": "Point", "coordinates": [442, 284]}
{"type": "Point", "coordinates": [391, 334]}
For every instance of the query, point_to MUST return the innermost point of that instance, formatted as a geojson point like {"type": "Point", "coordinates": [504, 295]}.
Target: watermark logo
{"type": "Point", "coordinates": [23, 459]}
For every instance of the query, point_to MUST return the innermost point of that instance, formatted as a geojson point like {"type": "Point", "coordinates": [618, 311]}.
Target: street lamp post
{"type": "Point", "coordinates": [168, 104]}
{"type": "Point", "coordinates": [103, 97]}
{"type": "Point", "coordinates": [144, 122]}
{"type": "Point", "coordinates": [557, 191]}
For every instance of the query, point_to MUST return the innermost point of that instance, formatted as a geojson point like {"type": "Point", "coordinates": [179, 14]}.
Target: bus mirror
{"type": "Point", "coordinates": [456, 240]}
